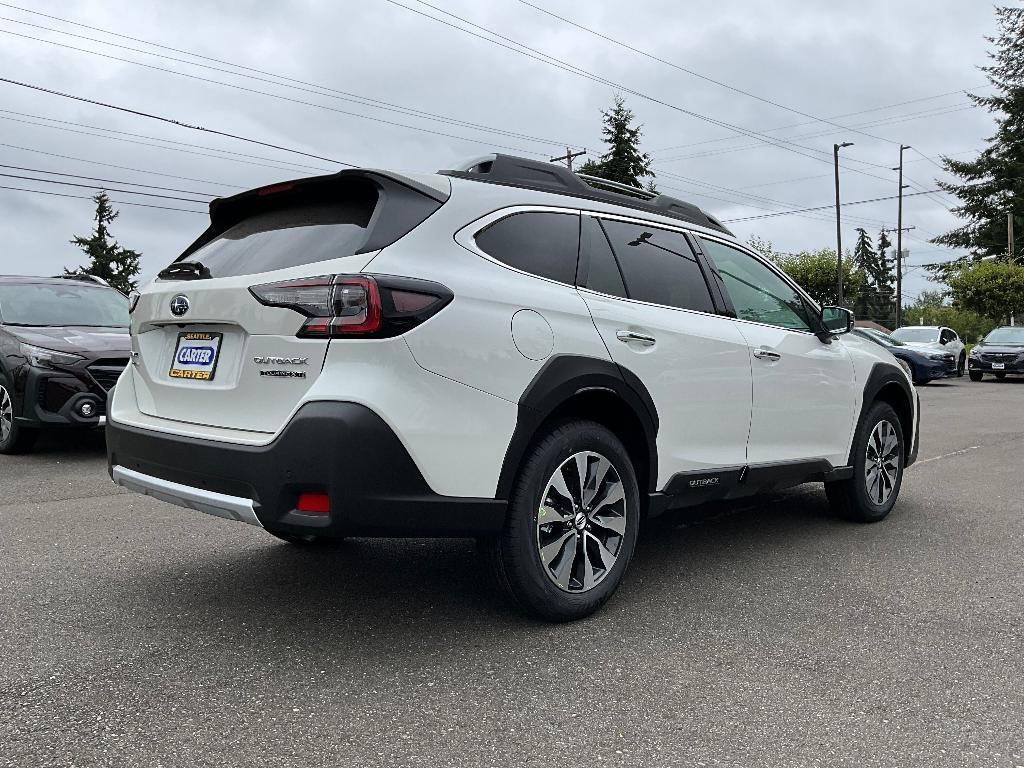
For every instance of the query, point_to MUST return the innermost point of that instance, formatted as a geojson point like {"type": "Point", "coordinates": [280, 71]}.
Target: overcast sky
{"type": "Point", "coordinates": [891, 69]}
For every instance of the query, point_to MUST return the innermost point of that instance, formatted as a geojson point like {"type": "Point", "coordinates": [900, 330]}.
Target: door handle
{"type": "Point", "coordinates": [640, 338]}
{"type": "Point", "coordinates": [763, 353]}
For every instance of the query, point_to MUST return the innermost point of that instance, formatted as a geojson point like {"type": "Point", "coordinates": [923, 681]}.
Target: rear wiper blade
{"type": "Point", "coordinates": [185, 270]}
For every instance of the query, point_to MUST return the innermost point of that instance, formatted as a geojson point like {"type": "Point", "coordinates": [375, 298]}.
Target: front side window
{"type": "Point", "coordinates": [947, 336]}
{"type": "Point", "coordinates": [758, 294]}
{"type": "Point", "coordinates": [658, 266]}
{"type": "Point", "coordinates": [541, 243]}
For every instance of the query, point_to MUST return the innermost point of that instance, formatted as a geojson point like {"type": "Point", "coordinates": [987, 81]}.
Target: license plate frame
{"type": "Point", "coordinates": [204, 367]}
{"type": "Point", "coordinates": [998, 366]}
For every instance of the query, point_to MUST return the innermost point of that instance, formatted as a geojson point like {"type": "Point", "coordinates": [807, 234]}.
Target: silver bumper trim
{"type": "Point", "coordinates": [217, 504]}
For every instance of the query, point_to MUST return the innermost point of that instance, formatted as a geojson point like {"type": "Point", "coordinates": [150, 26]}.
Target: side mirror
{"type": "Point", "coordinates": [836, 320]}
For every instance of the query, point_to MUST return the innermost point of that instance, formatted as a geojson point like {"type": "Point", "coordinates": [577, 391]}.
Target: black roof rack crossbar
{"type": "Point", "coordinates": [546, 177]}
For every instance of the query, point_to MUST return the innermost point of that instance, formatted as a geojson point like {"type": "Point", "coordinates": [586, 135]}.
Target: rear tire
{"type": "Point", "coordinates": [961, 365]}
{"type": "Point", "coordinates": [1000, 375]}
{"type": "Point", "coordinates": [878, 462]}
{"type": "Point", "coordinates": [976, 375]}
{"type": "Point", "coordinates": [14, 438]}
{"type": "Point", "coordinates": [567, 542]}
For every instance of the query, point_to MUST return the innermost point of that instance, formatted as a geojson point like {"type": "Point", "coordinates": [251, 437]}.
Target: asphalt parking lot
{"type": "Point", "coordinates": [766, 633]}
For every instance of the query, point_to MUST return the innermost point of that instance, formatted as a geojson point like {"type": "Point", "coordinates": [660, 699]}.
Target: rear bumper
{"type": "Point", "coordinates": [342, 449]}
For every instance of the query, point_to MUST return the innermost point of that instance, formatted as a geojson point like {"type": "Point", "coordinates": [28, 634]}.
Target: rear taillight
{"type": "Point", "coordinates": [377, 306]}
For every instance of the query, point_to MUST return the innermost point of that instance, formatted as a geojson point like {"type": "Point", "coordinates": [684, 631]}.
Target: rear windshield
{"type": "Point", "coordinates": [40, 304]}
{"type": "Point", "coordinates": [310, 220]}
{"type": "Point", "coordinates": [916, 334]}
{"type": "Point", "coordinates": [289, 237]}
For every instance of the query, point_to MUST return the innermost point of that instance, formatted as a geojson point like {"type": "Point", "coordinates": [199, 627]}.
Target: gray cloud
{"type": "Point", "coordinates": [823, 59]}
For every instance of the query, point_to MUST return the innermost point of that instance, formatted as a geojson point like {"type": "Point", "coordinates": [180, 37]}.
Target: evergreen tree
{"type": "Point", "coordinates": [864, 253]}
{"type": "Point", "coordinates": [875, 301]}
{"type": "Point", "coordinates": [623, 162]}
{"type": "Point", "coordinates": [884, 244]}
{"type": "Point", "coordinates": [993, 183]}
{"type": "Point", "coordinates": [107, 259]}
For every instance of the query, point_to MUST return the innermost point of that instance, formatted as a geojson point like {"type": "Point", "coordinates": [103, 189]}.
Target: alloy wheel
{"type": "Point", "coordinates": [6, 415]}
{"type": "Point", "coordinates": [581, 522]}
{"type": "Point", "coordinates": [882, 462]}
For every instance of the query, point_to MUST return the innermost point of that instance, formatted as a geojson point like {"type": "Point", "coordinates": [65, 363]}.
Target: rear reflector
{"type": "Point", "coordinates": [314, 503]}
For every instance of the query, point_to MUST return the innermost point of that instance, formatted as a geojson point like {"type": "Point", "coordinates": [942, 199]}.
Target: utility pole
{"type": "Point", "coordinates": [899, 244]}
{"type": "Point", "coordinates": [839, 229]}
{"type": "Point", "coordinates": [1009, 233]}
{"type": "Point", "coordinates": [568, 157]}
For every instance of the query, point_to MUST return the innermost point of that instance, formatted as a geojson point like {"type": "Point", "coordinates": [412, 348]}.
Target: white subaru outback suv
{"type": "Point", "coordinates": [506, 351]}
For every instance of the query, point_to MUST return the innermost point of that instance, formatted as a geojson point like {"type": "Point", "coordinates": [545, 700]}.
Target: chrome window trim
{"type": "Point", "coordinates": [466, 236]}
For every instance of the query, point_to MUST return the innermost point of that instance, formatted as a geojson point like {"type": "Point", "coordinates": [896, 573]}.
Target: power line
{"type": "Point", "coordinates": [533, 53]}
{"type": "Point", "coordinates": [106, 181]}
{"type": "Point", "coordinates": [243, 88]}
{"type": "Point", "coordinates": [316, 88]}
{"type": "Point", "coordinates": [719, 83]}
{"type": "Point", "coordinates": [95, 186]}
{"type": "Point", "coordinates": [280, 165]}
{"type": "Point", "coordinates": [833, 117]}
{"type": "Point", "coordinates": [90, 197]}
{"type": "Point", "coordinates": [824, 207]}
{"type": "Point", "coordinates": [119, 167]}
{"type": "Point", "coordinates": [172, 121]}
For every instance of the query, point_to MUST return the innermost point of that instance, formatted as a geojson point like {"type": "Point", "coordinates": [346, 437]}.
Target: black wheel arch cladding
{"type": "Point", "coordinates": [888, 383]}
{"type": "Point", "coordinates": [565, 378]}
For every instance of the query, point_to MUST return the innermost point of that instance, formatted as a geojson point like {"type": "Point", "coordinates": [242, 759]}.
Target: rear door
{"type": "Point", "coordinates": [207, 352]}
{"type": "Point", "coordinates": [653, 309]}
{"type": "Point", "coordinates": [805, 391]}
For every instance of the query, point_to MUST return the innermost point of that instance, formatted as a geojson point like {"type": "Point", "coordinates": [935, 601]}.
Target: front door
{"type": "Point", "coordinates": [656, 317]}
{"type": "Point", "coordinates": [804, 389]}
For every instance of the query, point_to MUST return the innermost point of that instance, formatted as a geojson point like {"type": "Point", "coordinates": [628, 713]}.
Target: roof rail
{"type": "Point", "coordinates": [545, 177]}
{"type": "Point", "coordinates": [83, 277]}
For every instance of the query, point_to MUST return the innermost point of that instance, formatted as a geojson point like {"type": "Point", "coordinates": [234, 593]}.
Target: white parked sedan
{"type": "Point", "coordinates": [935, 337]}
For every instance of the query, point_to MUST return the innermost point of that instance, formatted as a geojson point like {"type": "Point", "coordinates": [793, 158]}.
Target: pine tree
{"type": "Point", "coordinates": [875, 301]}
{"type": "Point", "coordinates": [623, 162]}
{"type": "Point", "coordinates": [884, 244]}
{"type": "Point", "coordinates": [107, 259]}
{"type": "Point", "coordinates": [993, 183]}
{"type": "Point", "coordinates": [864, 253]}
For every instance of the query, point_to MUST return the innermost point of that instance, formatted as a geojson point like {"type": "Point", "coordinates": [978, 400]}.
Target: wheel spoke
{"type": "Point", "coordinates": [566, 566]}
{"type": "Point", "coordinates": [612, 494]}
{"type": "Point", "coordinates": [549, 552]}
{"type": "Point", "coordinates": [589, 579]}
{"type": "Point", "coordinates": [597, 473]}
{"type": "Point", "coordinates": [614, 523]}
{"type": "Point", "coordinates": [558, 485]}
{"type": "Point", "coordinates": [581, 461]}
{"type": "Point", "coordinates": [607, 558]}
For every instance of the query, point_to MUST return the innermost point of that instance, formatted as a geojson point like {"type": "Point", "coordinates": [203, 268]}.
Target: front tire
{"type": "Point", "coordinates": [878, 462]}
{"type": "Point", "coordinates": [14, 438]}
{"type": "Point", "coordinates": [961, 365]}
{"type": "Point", "coordinates": [572, 523]}
{"type": "Point", "coordinates": [976, 375]}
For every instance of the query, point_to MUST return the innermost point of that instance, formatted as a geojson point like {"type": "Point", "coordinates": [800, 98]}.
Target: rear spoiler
{"type": "Point", "coordinates": [402, 204]}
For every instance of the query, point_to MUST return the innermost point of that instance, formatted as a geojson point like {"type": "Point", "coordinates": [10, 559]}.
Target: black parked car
{"type": "Point", "coordinates": [63, 343]}
{"type": "Point", "coordinates": [924, 366]}
{"type": "Point", "coordinates": [999, 353]}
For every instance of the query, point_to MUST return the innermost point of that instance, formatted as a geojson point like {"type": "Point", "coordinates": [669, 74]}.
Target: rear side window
{"type": "Point", "coordinates": [541, 243]}
{"type": "Point", "coordinates": [659, 266]}
{"type": "Point", "coordinates": [598, 270]}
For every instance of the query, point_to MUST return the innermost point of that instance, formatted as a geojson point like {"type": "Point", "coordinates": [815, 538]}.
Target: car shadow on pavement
{"type": "Point", "coordinates": [428, 596]}
{"type": "Point", "coordinates": [71, 442]}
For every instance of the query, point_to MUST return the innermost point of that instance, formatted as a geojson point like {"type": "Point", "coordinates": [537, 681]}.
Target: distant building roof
{"type": "Point", "coordinates": [870, 324]}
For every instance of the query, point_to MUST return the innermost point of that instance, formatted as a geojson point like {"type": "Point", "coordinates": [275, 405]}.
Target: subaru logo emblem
{"type": "Point", "coordinates": [179, 305]}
